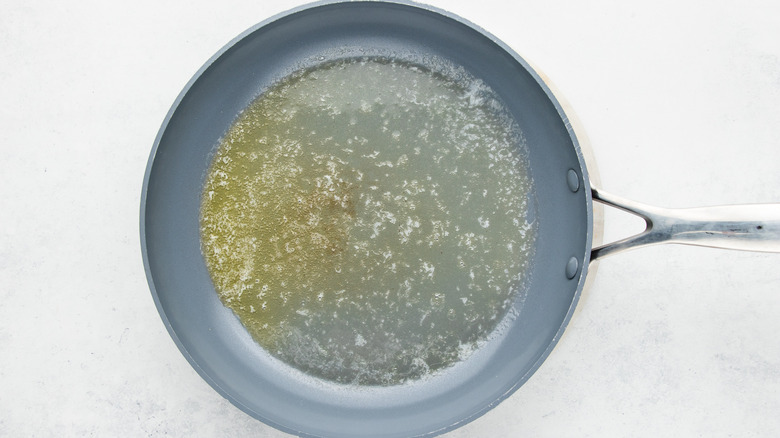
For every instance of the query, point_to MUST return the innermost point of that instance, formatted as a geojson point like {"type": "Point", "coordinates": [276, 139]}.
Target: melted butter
{"type": "Point", "coordinates": [366, 220]}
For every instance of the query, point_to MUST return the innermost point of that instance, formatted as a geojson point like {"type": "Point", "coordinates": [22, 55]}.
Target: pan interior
{"type": "Point", "coordinates": [210, 335]}
{"type": "Point", "coordinates": [374, 233]}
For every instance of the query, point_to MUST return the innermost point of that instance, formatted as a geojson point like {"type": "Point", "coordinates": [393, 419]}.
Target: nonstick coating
{"type": "Point", "coordinates": [211, 337]}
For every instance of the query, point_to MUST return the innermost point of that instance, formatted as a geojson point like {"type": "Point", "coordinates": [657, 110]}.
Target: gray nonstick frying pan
{"type": "Point", "coordinates": [223, 353]}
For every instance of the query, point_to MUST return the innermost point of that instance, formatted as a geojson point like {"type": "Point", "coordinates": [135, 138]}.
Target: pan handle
{"type": "Point", "coordinates": [749, 227]}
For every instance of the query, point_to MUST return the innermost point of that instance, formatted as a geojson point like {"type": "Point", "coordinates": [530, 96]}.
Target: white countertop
{"type": "Point", "coordinates": [680, 101]}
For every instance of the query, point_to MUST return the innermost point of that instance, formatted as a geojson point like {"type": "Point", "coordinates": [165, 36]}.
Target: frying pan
{"type": "Point", "coordinates": [218, 347]}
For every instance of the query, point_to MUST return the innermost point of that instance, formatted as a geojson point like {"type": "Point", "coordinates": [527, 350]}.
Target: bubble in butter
{"type": "Point", "coordinates": [367, 219]}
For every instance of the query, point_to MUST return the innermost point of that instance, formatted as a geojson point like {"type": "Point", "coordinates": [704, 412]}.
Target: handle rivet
{"type": "Point", "coordinates": [573, 180]}
{"type": "Point", "coordinates": [571, 268]}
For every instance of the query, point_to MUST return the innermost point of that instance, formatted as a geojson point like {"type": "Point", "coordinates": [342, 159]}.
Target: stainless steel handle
{"type": "Point", "coordinates": [750, 227]}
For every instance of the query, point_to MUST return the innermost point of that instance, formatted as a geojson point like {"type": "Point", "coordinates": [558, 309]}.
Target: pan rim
{"type": "Point", "coordinates": [321, 3]}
